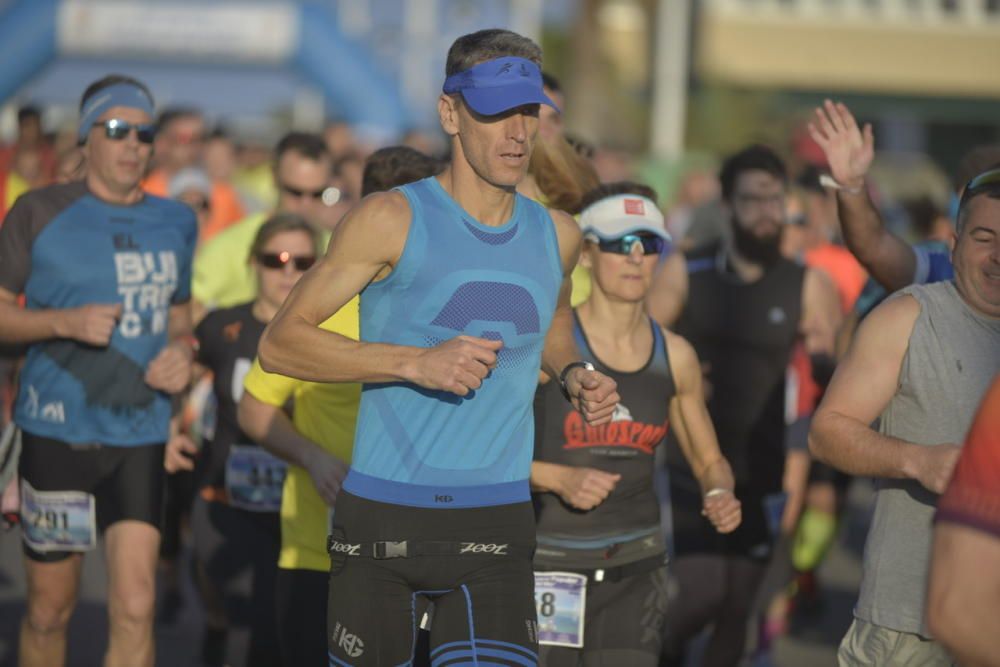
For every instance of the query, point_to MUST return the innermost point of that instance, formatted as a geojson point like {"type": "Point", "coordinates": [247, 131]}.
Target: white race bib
{"type": "Point", "coordinates": [254, 479]}
{"type": "Point", "coordinates": [58, 520]}
{"type": "Point", "coordinates": [560, 600]}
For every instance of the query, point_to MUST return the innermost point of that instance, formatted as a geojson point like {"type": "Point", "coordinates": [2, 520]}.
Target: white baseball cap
{"type": "Point", "coordinates": [616, 216]}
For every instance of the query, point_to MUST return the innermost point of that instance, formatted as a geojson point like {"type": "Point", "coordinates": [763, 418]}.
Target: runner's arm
{"type": "Point", "coordinates": [691, 423]}
{"type": "Point", "coordinates": [889, 259]}
{"type": "Point", "coordinates": [365, 246]}
{"type": "Point", "coordinates": [592, 393]}
{"type": "Point", "coordinates": [270, 427]}
{"type": "Point", "coordinates": [862, 386]}
{"type": "Point", "coordinates": [849, 151]}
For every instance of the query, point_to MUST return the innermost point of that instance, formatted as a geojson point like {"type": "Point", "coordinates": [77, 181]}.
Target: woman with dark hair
{"type": "Point", "coordinates": [235, 516]}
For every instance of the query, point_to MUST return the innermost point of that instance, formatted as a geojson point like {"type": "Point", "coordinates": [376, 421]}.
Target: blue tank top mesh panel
{"type": "Point", "coordinates": [426, 448]}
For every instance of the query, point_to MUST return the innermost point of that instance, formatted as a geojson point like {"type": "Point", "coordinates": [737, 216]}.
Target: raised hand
{"type": "Point", "coordinates": [849, 150]}
{"type": "Point", "coordinates": [458, 365]}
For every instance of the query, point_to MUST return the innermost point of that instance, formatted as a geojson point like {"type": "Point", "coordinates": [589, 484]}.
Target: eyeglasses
{"type": "Point", "coordinates": [328, 195]}
{"type": "Point", "coordinates": [651, 245]}
{"type": "Point", "coordinates": [117, 129]}
{"type": "Point", "coordinates": [987, 182]}
{"type": "Point", "coordinates": [278, 260]}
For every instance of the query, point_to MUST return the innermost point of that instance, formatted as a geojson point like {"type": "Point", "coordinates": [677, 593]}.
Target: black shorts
{"type": "Point", "coordinates": [483, 602]}
{"type": "Point", "coordinates": [126, 482]}
{"type": "Point", "coordinates": [623, 623]}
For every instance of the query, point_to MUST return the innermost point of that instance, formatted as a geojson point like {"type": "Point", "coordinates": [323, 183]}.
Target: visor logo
{"type": "Point", "coordinates": [635, 207]}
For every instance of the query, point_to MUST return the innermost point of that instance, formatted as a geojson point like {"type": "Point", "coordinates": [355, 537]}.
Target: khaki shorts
{"type": "Point", "coordinates": [869, 645]}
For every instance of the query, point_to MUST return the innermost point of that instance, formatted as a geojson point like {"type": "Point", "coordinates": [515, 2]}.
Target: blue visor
{"type": "Point", "coordinates": [499, 85]}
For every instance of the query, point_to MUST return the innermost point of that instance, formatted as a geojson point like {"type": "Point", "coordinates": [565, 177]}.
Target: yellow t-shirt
{"type": "Point", "coordinates": [581, 285]}
{"type": "Point", "coordinates": [326, 414]}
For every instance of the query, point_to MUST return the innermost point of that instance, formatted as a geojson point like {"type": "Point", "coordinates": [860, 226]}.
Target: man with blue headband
{"type": "Point", "coordinates": [105, 273]}
{"type": "Point", "coordinates": [465, 296]}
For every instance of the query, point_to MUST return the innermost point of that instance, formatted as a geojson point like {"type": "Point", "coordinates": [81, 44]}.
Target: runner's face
{"type": "Point", "coordinates": [550, 121]}
{"type": "Point", "coordinates": [977, 256]}
{"type": "Point", "coordinates": [274, 285]}
{"type": "Point", "coordinates": [758, 215]}
{"type": "Point", "coordinates": [119, 164]}
{"type": "Point", "coordinates": [299, 179]}
{"type": "Point", "coordinates": [498, 147]}
{"type": "Point", "coordinates": [620, 277]}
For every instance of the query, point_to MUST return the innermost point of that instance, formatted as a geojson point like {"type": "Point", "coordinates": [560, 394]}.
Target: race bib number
{"type": "Point", "coordinates": [254, 479]}
{"type": "Point", "coordinates": [560, 600]}
{"type": "Point", "coordinates": [58, 520]}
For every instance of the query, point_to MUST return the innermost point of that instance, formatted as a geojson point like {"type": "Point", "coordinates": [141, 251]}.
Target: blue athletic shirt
{"type": "Point", "coordinates": [933, 264]}
{"type": "Point", "coordinates": [62, 247]}
{"type": "Point", "coordinates": [456, 276]}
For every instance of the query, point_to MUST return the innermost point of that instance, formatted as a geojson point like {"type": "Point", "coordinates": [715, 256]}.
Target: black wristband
{"type": "Point", "coordinates": [565, 371]}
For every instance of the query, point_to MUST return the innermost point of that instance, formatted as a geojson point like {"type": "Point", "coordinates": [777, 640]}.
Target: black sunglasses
{"type": "Point", "coordinates": [295, 192]}
{"type": "Point", "coordinates": [987, 182]}
{"type": "Point", "coordinates": [278, 260]}
{"type": "Point", "coordinates": [117, 129]}
{"type": "Point", "coordinates": [651, 245]}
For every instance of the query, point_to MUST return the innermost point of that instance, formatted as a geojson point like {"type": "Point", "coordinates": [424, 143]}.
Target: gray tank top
{"type": "Point", "coordinates": [953, 355]}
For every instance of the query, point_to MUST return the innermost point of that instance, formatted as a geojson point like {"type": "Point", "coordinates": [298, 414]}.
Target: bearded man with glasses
{"type": "Point", "coordinates": [105, 271]}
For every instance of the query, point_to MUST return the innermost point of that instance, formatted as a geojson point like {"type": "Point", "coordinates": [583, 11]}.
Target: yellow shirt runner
{"type": "Point", "coordinates": [325, 414]}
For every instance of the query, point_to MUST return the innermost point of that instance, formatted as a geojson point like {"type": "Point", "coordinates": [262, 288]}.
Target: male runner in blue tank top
{"type": "Point", "coordinates": [461, 280]}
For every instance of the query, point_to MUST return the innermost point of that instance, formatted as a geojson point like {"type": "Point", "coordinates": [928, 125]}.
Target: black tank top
{"type": "Point", "coordinates": [745, 331]}
{"type": "Point", "coordinates": [624, 446]}
{"type": "Point", "coordinates": [227, 346]}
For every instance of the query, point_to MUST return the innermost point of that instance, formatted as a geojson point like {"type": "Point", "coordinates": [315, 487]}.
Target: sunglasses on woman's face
{"type": "Point", "coordinates": [278, 260]}
{"type": "Point", "coordinates": [117, 129]}
{"type": "Point", "coordinates": [651, 245]}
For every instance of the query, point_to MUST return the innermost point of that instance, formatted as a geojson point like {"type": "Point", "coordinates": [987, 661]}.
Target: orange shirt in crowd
{"type": "Point", "coordinates": [846, 272]}
{"type": "Point", "coordinates": [225, 207]}
{"type": "Point", "coordinates": [973, 495]}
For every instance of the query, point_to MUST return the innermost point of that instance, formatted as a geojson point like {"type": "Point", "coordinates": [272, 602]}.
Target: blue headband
{"type": "Point", "coordinates": [119, 95]}
{"type": "Point", "coordinates": [497, 85]}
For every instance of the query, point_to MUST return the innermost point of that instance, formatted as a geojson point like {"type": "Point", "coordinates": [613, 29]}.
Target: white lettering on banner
{"type": "Point", "coordinates": [235, 31]}
{"type": "Point", "coordinates": [146, 281]}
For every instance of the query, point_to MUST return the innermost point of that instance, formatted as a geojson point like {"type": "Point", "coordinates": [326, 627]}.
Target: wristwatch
{"type": "Point", "coordinates": [565, 371]}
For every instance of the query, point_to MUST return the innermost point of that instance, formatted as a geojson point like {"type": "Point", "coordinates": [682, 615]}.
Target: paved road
{"type": "Point", "coordinates": [812, 643]}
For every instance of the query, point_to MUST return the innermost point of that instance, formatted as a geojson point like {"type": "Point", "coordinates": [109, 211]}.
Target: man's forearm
{"type": "Point", "coordinates": [889, 260]}
{"type": "Point", "coordinates": [718, 475]}
{"type": "Point", "coordinates": [560, 346]}
{"type": "Point", "coordinates": [20, 325]}
{"type": "Point", "coordinates": [298, 349]}
{"type": "Point", "coordinates": [855, 448]}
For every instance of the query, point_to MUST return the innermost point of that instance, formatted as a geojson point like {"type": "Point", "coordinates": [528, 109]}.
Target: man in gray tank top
{"type": "Point", "coordinates": [922, 361]}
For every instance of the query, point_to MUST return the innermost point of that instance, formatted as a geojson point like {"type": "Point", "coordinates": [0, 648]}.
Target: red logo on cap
{"type": "Point", "coordinates": [635, 207]}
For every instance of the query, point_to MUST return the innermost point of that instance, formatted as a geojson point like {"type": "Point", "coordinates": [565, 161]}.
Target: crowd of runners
{"type": "Point", "coordinates": [493, 404]}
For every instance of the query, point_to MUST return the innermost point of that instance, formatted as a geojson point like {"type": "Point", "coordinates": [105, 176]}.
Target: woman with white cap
{"type": "Point", "coordinates": [601, 578]}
